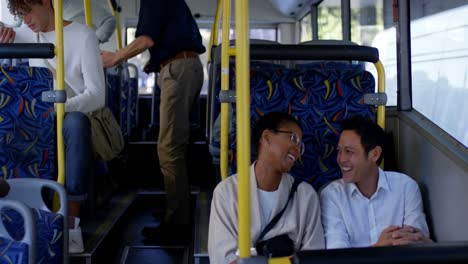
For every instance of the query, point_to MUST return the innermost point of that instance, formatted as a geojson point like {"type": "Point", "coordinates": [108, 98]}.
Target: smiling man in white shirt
{"type": "Point", "coordinates": [369, 206]}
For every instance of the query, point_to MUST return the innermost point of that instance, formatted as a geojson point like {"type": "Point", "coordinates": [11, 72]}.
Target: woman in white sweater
{"type": "Point", "coordinates": [277, 137]}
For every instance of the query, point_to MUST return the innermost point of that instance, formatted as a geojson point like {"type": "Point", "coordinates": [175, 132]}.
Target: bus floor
{"type": "Point", "coordinates": [114, 233]}
{"type": "Point", "coordinates": [135, 249]}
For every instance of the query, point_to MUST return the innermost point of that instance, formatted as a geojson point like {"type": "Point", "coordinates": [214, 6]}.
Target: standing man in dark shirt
{"type": "Point", "coordinates": [169, 31]}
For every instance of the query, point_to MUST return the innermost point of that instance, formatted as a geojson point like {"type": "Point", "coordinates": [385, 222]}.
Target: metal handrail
{"type": "Point", "coordinates": [118, 32]}
{"type": "Point", "coordinates": [60, 75]}
{"type": "Point", "coordinates": [243, 123]}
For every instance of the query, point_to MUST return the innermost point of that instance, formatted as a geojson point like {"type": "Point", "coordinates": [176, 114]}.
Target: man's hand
{"type": "Point", "coordinates": [109, 59]}
{"type": "Point", "coordinates": [409, 235]}
{"type": "Point", "coordinates": [395, 236]}
{"type": "Point", "coordinates": [7, 35]}
{"type": "Point", "coordinates": [386, 237]}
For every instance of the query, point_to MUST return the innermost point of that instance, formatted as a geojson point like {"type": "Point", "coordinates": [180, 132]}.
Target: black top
{"type": "Point", "coordinates": [4, 188]}
{"type": "Point", "coordinates": [171, 26]}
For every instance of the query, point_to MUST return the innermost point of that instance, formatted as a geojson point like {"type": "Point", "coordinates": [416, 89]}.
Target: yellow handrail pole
{"type": "Point", "coordinates": [88, 13]}
{"type": "Point", "coordinates": [225, 87]}
{"type": "Point", "coordinates": [380, 89]}
{"type": "Point", "coordinates": [243, 124]}
{"type": "Point", "coordinates": [118, 33]}
{"type": "Point", "coordinates": [214, 29]}
{"type": "Point", "coordinates": [58, 19]}
{"type": "Point", "coordinates": [280, 260]}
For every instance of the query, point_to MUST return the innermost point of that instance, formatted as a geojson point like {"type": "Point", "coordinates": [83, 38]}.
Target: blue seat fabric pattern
{"type": "Point", "coordinates": [124, 96]}
{"type": "Point", "coordinates": [320, 95]}
{"type": "Point", "coordinates": [132, 104]}
{"type": "Point", "coordinates": [49, 228]}
{"type": "Point", "coordinates": [113, 94]}
{"type": "Point", "coordinates": [27, 129]}
{"type": "Point", "coordinates": [12, 251]}
{"type": "Point", "coordinates": [263, 76]}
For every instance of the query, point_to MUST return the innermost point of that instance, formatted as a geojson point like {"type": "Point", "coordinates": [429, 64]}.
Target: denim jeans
{"type": "Point", "coordinates": [79, 158]}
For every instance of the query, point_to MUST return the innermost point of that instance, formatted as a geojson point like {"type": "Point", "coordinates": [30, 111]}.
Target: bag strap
{"type": "Point", "coordinates": [277, 217]}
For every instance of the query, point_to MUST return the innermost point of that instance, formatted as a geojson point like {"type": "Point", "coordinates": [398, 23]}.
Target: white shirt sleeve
{"type": "Point", "coordinates": [414, 214]}
{"type": "Point", "coordinates": [93, 95]}
{"type": "Point", "coordinates": [336, 235]}
{"type": "Point", "coordinates": [24, 35]}
{"type": "Point", "coordinates": [313, 237]}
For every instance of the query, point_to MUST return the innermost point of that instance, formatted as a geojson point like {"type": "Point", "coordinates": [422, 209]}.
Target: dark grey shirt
{"type": "Point", "coordinates": [172, 28]}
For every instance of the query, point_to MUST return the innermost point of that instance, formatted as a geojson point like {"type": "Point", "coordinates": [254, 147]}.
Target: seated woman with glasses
{"type": "Point", "coordinates": [278, 139]}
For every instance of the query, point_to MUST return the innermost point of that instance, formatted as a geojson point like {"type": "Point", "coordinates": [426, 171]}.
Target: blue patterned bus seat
{"type": "Point", "coordinates": [132, 104]}
{"type": "Point", "coordinates": [320, 95]}
{"type": "Point", "coordinates": [12, 251]}
{"type": "Point", "coordinates": [27, 130]}
{"type": "Point", "coordinates": [49, 227]}
{"type": "Point", "coordinates": [113, 93]}
{"type": "Point", "coordinates": [124, 96]}
{"type": "Point", "coordinates": [259, 72]}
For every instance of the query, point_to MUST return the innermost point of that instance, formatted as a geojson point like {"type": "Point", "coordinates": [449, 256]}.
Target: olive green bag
{"type": "Point", "coordinates": [107, 138]}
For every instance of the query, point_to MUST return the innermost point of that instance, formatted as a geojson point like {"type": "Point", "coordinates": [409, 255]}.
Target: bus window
{"type": "Point", "coordinates": [268, 33]}
{"type": "Point", "coordinates": [329, 20]}
{"type": "Point", "coordinates": [368, 19]}
{"type": "Point", "coordinates": [205, 33]}
{"type": "Point", "coordinates": [263, 33]}
{"type": "Point", "coordinates": [306, 28]}
{"type": "Point", "coordinates": [439, 55]}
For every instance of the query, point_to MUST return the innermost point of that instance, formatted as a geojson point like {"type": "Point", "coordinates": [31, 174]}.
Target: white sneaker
{"type": "Point", "coordinates": [75, 239]}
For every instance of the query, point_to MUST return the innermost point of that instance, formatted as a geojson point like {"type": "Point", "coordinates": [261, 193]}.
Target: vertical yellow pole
{"type": "Point", "coordinates": [243, 124]}
{"type": "Point", "coordinates": [380, 89]}
{"type": "Point", "coordinates": [58, 19]}
{"type": "Point", "coordinates": [88, 13]}
{"type": "Point", "coordinates": [214, 29]}
{"type": "Point", "coordinates": [224, 87]}
{"type": "Point", "coordinates": [118, 32]}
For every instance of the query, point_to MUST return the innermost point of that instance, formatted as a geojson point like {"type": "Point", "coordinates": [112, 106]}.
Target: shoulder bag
{"type": "Point", "coordinates": [278, 246]}
{"type": "Point", "coordinates": [106, 135]}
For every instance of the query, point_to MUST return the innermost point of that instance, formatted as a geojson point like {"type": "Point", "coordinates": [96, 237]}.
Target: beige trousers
{"type": "Point", "coordinates": [180, 82]}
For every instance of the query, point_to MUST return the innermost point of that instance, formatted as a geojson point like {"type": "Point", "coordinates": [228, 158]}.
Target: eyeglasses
{"type": "Point", "coordinates": [294, 139]}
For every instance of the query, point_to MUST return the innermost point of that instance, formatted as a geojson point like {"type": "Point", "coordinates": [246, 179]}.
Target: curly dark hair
{"type": "Point", "coordinates": [271, 121]}
{"type": "Point", "coordinates": [18, 7]}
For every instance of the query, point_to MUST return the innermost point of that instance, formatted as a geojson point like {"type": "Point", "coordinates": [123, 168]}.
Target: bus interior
{"type": "Point", "coordinates": [422, 47]}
